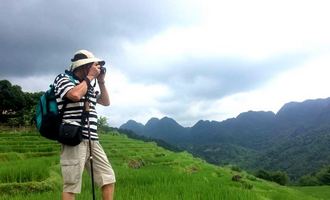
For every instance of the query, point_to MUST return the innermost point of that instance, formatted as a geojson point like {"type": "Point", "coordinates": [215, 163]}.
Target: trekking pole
{"type": "Point", "coordinates": [90, 146]}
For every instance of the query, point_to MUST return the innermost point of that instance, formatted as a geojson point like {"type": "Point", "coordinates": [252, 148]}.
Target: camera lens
{"type": "Point", "coordinates": [103, 70]}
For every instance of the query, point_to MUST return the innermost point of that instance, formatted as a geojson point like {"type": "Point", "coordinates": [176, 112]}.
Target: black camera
{"type": "Point", "coordinates": [103, 70]}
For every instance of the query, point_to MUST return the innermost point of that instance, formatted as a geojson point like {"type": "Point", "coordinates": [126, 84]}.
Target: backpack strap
{"type": "Point", "coordinates": [83, 115]}
{"type": "Point", "coordinates": [66, 101]}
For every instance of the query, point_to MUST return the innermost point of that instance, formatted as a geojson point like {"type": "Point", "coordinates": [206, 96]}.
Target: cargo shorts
{"type": "Point", "coordinates": [74, 159]}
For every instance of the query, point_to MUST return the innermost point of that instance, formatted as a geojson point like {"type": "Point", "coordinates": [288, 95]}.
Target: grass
{"type": "Point", "coordinates": [320, 192]}
{"type": "Point", "coordinates": [29, 169]}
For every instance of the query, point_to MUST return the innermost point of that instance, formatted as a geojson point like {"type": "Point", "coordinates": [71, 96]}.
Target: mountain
{"type": "Point", "coordinates": [296, 139]}
{"type": "Point", "coordinates": [166, 129]}
{"type": "Point", "coordinates": [246, 130]}
{"type": "Point", "coordinates": [305, 114]}
{"type": "Point", "coordinates": [134, 126]}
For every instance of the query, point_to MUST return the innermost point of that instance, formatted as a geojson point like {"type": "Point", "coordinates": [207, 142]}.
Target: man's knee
{"type": "Point", "coordinates": [68, 196]}
{"type": "Point", "coordinates": [108, 186]}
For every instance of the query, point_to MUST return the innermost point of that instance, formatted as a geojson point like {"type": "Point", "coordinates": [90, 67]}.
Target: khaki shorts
{"type": "Point", "coordinates": [74, 159]}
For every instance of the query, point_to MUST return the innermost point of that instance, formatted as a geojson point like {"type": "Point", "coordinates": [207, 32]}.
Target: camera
{"type": "Point", "coordinates": [103, 70]}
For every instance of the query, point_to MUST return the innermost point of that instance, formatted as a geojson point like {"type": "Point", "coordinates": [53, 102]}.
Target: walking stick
{"type": "Point", "coordinates": [90, 145]}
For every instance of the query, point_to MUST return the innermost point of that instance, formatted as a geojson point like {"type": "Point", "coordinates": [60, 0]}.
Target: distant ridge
{"type": "Point", "coordinates": [166, 129]}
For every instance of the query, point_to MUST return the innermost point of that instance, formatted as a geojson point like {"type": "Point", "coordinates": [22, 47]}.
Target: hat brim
{"type": "Point", "coordinates": [81, 62]}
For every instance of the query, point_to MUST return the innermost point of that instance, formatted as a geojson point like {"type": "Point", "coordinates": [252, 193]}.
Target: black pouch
{"type": "Point", "coordinates": [70, 134]}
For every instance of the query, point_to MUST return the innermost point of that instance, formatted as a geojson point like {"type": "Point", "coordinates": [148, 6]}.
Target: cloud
{"type": "Point", "coordinates": [131, 100]}
{"type": "Point", "coordinates": [39, 37]}
{"type": "Point", "coordinates": [187, 59]}
{"type": "Point", "coordinates": [204, 78]}
{"type": "Point", "coordinates": [31, 83]}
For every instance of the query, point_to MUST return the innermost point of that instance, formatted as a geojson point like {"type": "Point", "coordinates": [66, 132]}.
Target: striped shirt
{"type": "Point", "coordinates": [73, 111]}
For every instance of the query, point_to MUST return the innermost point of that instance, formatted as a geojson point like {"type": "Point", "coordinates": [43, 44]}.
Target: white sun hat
{"type": "Point", "coordinates": [83, 57]}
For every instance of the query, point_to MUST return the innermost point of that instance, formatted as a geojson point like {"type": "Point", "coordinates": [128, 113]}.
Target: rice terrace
{"type": "Point", "coordinates": [29, 170]}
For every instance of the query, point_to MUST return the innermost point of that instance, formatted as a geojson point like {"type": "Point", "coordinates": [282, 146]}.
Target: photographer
{"type": "Point", "coordinates": [85, 69]}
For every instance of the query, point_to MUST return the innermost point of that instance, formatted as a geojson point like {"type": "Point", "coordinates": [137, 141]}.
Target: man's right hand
{"type": "Point", "coordinates": [94, 71]}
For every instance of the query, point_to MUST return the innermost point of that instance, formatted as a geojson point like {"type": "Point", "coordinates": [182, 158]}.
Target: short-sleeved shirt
{"type": "Point", "coordinates": [73, 111]}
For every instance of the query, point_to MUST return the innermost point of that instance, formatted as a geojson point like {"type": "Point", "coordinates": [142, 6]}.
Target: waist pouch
{"type": "Point", "coordinates": [70, 134]}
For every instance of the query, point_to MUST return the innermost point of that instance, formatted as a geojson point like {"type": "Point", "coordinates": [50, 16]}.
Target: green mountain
{"type": "Point", "coordinates": [296, 139]}
{"type": "Point", "coordinates": [29, 170]}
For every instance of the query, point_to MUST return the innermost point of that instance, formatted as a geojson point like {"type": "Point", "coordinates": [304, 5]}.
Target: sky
{"type": "Point", "coordinates": [189, 60]}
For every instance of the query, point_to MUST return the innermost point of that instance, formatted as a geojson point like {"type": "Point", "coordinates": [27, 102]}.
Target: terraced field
{"type": "Point", "coordinates": [29, 169]}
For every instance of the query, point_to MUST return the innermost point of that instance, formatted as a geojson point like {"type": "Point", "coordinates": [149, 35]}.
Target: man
{"type": "Point", "coordinates": [85, 69]}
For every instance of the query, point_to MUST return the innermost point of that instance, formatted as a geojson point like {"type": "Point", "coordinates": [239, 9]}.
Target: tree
{"type": "Point", "coordinates": [308, 180]}
{"type": "Point", "coordinates": [11, 100]}
{"type": "Point", "coordinates": [263, 174]}
{"type": "Point", "coordinates": [17, 107]}
{"type": "Point", "coordinates": [280, 177]}
{"type": "Point", "coordinates": [103, 125]}
{"type": "Point", "coordinates": [29, 110]}
{"type": "Point", "coordinates": [324, 175]}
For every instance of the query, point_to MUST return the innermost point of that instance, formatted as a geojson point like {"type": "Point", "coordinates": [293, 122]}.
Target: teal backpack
{"type": "Point", "coordinates": [48, 116]}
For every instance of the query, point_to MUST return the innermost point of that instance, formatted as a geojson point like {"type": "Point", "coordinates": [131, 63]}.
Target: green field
{"type": "Point", "coordinates": [29, 169]}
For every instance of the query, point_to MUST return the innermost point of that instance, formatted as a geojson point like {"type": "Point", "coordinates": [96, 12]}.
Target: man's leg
{"type": "Point", "coordinates": [108, 191]}
{"type": "Point", "coordinates": [67, 196]}
{"type": "Point", "coordinates": [104, 175]}
{"type": "Point", "coordinates": [72, 167]}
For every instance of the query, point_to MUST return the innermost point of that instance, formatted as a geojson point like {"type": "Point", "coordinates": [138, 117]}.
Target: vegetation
{"type": "Point", "coordinates": [295, 140]}
{"type": "Point", "coordinates": [29, 169]}
{"type": "Point", "coordinates": [17, 108]}
{"type": "Point", "coordinates": [278, 177]}
{"type": "Point", "coordinates": [320, 192]}
{"type": "Point", "coordinates": [320, 178]}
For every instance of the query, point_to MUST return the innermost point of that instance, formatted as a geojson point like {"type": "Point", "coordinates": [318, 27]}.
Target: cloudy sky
{"type": "Point", "coordinates": [186, 59]}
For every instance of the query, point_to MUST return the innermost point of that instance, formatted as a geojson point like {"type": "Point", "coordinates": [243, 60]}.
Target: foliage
{"type": "Point", "coordinates": [278, 176]}
{"type": "Point", "coordinates": [143, 171]}
{"type": "Point", "coordinates": [263, 174]}
{"type": "Point", "coordinates": [322, 177]}
{"type": "Point", "coordinates": [161, 143]}
{"type": "Point", "coordinates": [308, 180]}
{"type": "Point", "coordinates": [102, 124]}
{"type": "Point", "coordinates": [17, 107]}
{"type": "Point", "coordinates": [295, 140]}
{"type": "Point", "coordinates": [11, 98]}
{"type": "Point", "coordinates": [236, 168]}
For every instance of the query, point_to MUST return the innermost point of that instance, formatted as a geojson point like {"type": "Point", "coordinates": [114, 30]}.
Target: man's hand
{"type": "Point", "coordinates": [94, 71]}
{"type": "Point", "coordinates": [101, 77]}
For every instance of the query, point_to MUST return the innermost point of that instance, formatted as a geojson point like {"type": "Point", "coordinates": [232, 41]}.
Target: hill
{"type": "Point", "coordinates": [29, 170]}
{"type": "Point", "coordinates": [296, 139]}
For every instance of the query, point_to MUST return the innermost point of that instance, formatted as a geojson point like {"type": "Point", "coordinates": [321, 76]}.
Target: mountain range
{"type": "Point", "coordinates": [296, 139]}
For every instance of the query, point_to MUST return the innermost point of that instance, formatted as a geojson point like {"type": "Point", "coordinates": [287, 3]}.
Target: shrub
{"type": "Point", "coordinates": [308, 180]}
{"type": "Point", "coordinates": [236, 178]}
{"type": "Point", "coordinates": [324, 176]}
{"type": "Point", "coordinates": [236, 168]}
{"type": "Point", "coordinates": [136, 164]}
{"type": "Point", "coordinates": [278, 177]}
{"type": "Point", "coordinates": [251, 178]}
{"type": "Point", "coordinates": [263, 174]}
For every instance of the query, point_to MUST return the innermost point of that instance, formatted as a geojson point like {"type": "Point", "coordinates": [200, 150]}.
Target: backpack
{"type": "Point", "coordinates": [48, 117]}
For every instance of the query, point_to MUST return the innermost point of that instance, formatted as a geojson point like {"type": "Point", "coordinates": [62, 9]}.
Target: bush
{"type": "Point", "coordinates": [324, 176]}
{"type": "Point", "coordinates": [263, 174]}
{"type": "Point", "coordinates": [308, 180]}
{"type": "Point", "coordinates": [236, 168]}
{"type": "Point", "coordinates": [278, 177]}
